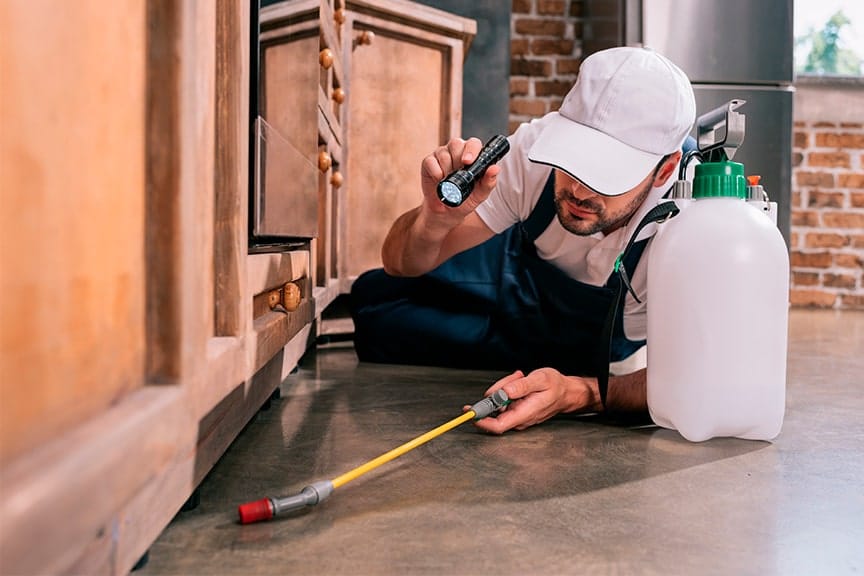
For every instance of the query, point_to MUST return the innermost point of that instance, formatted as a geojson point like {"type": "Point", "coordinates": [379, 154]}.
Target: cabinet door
{"type": "Point", "coordinates": [404, 95]}
{"type": "Point", "coordinates": [286, 196]}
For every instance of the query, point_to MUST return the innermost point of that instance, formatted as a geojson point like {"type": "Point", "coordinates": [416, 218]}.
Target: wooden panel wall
{"type": "Point", "coordinates": [72, 190]}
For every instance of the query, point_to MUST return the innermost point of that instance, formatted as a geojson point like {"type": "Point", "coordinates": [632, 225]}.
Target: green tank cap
{"type": "Point", "coordinates": [719, 179]}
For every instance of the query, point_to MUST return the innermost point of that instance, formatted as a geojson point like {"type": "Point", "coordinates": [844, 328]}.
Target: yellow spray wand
{"type": "Point", "coordinates": [311, 495]}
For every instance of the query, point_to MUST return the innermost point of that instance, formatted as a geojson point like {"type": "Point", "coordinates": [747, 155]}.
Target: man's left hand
{"type": "Point", "coordinates": [538, 396]}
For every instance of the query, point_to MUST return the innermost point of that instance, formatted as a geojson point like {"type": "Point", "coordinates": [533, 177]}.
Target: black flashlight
{"type": "Point", "coordinates": [456, 187]}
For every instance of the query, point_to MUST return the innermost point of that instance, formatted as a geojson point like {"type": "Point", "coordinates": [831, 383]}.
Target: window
{"type": "Point", "coordinates": [829, 38]}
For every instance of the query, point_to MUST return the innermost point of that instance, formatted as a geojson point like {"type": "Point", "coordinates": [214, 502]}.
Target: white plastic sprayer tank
{"type": "Point", "coordinates": [718, 279]}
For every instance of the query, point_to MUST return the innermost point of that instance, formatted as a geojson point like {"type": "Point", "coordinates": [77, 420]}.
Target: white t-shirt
{"type": "Point", "coordinates": [589, 259]}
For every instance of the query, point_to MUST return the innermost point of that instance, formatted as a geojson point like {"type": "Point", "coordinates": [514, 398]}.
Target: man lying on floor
{"type": "Point", "coordinates": [538, 271]}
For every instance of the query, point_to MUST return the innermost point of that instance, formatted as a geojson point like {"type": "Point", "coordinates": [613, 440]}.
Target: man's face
{"type": "Point", "coordinates": [582, 211]}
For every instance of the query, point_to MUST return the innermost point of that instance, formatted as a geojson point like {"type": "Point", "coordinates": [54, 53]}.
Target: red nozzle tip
{"type": "Point", "coordinates": [255, 511]}
{"type": "Point", "coordinates": [753, 180]}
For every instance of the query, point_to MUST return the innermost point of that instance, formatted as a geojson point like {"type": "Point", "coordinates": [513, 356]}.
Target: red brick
{"type": "Point", "coordinates": [840, 140]}
{"type": "Point", "coordinates": [554, 7]}
{"type": "Point", "coordinates": [856, 240]}
{"type": "Point", "coordinates": [519, 47]}
{"type": "Point", "coordinates": [578, 29]}
{"type": "Point", "coordinates": [812, 298]}
{"type": "Point", "coordinates": [852, 301]}
{"type": "Point", "coordinates": [850, 180]}
{"type": "Point", "coordinates": [796, 199]}
{"type": "Point", "coordinates": [799, 123]}
{"type": "Point", "coordinates": [802, 139]}
{"type": "Point", "coordinates": [527, 107]}
{"type": "Point", "coordinates": [565, 66]}
{"type": "Point", "coordinates": [519, 87]}
{"type": "Point", "coordinates": [839, 281]}
{"type": "Point", "coordinates": [540, 27]}
{"type": "Point", "coordinates": [819, 199]}
{"type": "Point", "coordinates": [821, 179]}
{"type": "Point", "coordinates": [576, 9]}
{"type": "Point", "coordinates": [805, 278]}
{"type": "Point", "coordinates": [808, 218]}
{"type": "Point", "coordinates": [851, 125]}
{"type": "Point", "coordinates": [852, 261]}
{"type": "Point", "coordinates": [512, 125]}
{"type": "Point", "coordinates": [856, 199]}
{"type": "Point", "coordinates": [824, 124]}
{"type": "Point", "coordinates": [521, 6]}
{"type": "Point", "coordinates": [843, 219]}
{"type": "Point", "coordinates": [546, 46]}
{"type": "Point", "coordinates": [552, 88]}
{"type": "Point", "coordinates": [525, 67]}
{"type": "Point", "coordinates": [825, 240]}
{"type": "Point", "coordinates": [793, 239]}
{"type": "Point", "coordinates": [829, 159]}
{"type": "Point", "coordinates": [810, 259]}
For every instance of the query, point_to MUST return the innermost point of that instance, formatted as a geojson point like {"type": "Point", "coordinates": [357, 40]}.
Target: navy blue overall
{"type": "Point", "coordinates": [498, 306]}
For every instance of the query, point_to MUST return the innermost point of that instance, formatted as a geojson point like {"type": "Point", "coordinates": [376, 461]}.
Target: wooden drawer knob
{"type": "Point", "coordinates": [338, 95]}
{"type": "Point", "coordinates": [339, 16]}
{"type": "Point", "coordinates": [365, 38]}
{"type": "Point", "coordinates": [291, 296]}
{"type": "Point", "coordinates": [324, 161]}
{"type": "Point", "coordinates": [336, 179]}
{"type": "Point", "coordinates": [325, 57]}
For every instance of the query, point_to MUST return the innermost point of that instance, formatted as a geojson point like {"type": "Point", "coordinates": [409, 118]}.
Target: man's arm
{"type": "Point", "coordinates": [428, 235]}
{"type": "Point", "coordinates": [546, 392]}
{"type": "Point", "coordinates": [418, 242]}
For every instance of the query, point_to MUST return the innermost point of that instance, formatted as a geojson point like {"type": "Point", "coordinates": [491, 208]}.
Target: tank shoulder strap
{"type": "Point", "coordinates": [618, 281]}
{"type": "Point", "coordinates": [626, 260]}
{"type": "Point", "coordinates": [544, 211]}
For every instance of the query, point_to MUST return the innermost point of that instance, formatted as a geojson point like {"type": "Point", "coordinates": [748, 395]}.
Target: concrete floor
{"type": "Point", "coordinates": [575, 495]}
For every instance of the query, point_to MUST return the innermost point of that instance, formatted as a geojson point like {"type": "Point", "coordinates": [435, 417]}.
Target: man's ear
{"type": "Point", "coordinates": [667, 169]}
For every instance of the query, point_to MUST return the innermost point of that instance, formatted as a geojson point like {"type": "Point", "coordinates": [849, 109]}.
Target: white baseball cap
{"type": "Point", "coordinates": [628, 109]}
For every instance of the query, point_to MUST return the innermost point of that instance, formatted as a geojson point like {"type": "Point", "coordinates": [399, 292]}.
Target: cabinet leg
{"type": "Point", "coordinates": [277, 393]}
{"type": "Point", "coordinates": [142, 562]}
{"type": "Point", "coordinates": [192, 502]}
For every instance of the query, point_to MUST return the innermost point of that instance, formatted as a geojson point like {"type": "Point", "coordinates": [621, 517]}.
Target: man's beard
{"type": "Point", "coordinates": [605, 221]}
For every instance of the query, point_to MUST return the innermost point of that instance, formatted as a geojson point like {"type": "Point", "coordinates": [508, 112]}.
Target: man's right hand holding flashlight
{"type": "Point", "coordinates": [426, 236]}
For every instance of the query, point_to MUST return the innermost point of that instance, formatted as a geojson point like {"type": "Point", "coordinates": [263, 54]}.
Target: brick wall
{"type": "Point", "coordinates": [827, 233]}
{"type": "Point", "coordinates": [548, 40]}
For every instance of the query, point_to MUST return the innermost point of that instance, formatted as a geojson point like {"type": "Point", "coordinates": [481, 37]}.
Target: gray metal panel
{"type": "Point", "coordinates": [723, 41]}
{"type": "Point", "coordinates": [486, 76]}
{"type": "Point", "coordinates": [767, 146]}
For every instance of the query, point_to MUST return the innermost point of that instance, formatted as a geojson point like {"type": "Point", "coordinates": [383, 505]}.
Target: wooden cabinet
{"type": "Point", "coordinates": [139, 335]}
{"type": "Point", "coordinates": [388, 91]}
{"type": "Point", "coordinates": [403, 68]}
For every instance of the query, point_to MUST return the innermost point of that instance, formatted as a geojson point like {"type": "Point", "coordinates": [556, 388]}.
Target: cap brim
{"type": "Point", "coordinates": [606, 165]}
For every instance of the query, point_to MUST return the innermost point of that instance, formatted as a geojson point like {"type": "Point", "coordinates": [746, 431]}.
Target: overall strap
{"type": "Point", "coordinates": [544, 211]}
{"type": "Point", "coordinates": [618, 281]}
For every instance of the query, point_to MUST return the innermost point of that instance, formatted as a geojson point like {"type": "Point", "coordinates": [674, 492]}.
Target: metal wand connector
{"type": "Point", "coordinates": [491, 404]}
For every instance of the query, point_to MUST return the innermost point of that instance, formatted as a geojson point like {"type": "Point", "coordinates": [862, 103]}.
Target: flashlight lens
{"type": "Point", "coordinates": [450, 193]}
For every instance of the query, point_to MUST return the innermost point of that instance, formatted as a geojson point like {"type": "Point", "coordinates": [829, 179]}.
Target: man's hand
{"type": "Point", "coordinates": [538, 396]}
{"type": "Point", "coordinates": [425, 236]}
{"type": "Point", "coordinates": [546, 392]}
{"type": "Point", "coordinates": [456, 154]}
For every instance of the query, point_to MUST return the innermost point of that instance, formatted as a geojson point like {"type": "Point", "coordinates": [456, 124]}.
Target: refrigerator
{"type": "Point", "coordinates": [733, 49]}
